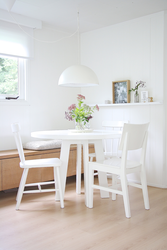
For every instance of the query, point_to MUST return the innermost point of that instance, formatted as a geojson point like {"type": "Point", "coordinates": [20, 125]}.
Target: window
{"type": "Point", "coordinates": [12, 77]}
{"type": "Point", "coordinates": [16, 49]}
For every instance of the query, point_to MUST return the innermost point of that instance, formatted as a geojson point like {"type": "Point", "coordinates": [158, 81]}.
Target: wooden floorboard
{"type": "Point", "coordinates": [42, 224]}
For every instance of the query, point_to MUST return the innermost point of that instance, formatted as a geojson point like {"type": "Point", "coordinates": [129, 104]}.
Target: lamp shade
{"type": "Point", "coordinates": [78, 76]}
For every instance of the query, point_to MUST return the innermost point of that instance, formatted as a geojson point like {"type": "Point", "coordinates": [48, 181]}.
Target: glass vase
{"type": "Point", "coordinates": [82, 125]}
{"type": "Point", "coordinates": [79, 125]}
{"type": "Point", "coordinates": [136, 96]}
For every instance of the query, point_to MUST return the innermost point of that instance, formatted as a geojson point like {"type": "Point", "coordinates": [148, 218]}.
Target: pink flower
{"type": "Point", "coordinates": [68, 116]}
{"type": "Point", "coordinates": [97, 107]}
{"type": "Point", "coordinates": [73, 106]}
{"type": "Point", "coordinates": [81, 97]}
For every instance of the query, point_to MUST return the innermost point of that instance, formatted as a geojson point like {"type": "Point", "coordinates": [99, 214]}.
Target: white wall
{"type": "Point", "coordinates": [131, 50]}
{"type": "Point", "coordinates": [47, 101]}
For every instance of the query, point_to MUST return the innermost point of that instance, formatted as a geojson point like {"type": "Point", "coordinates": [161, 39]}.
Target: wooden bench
{"type": "Point", "coordinates": [10, 171]}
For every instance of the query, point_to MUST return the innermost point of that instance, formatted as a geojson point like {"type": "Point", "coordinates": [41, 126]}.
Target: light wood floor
{"type": "Point", "coordinates": [42, 224]}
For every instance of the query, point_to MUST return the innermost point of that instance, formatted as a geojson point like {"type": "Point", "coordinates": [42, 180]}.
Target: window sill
{"type": "Point", "coordinates": [4, 102]}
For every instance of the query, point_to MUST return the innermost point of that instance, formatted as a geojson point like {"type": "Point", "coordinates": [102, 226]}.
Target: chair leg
{"type": "Point", "coordinates": [125, 196]}
{"type": "Point", "coordinates": [114, 183]}
{"type": "Point", "coordinates": [90, 188]}
{"type": "Point", "coordinates": [144, 189]}
{"type": "Point", "coordinates": [59, 187]}
{"type": "Point", "coordinates": [55, 180]}
{"type": "Point", "coordinates": [21, 187]}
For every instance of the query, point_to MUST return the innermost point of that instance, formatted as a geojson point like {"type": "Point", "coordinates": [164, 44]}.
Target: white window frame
{"type": "Point", "coordinates": [22, 78]}
{"type": "Point", "coordinates": [22, 81]}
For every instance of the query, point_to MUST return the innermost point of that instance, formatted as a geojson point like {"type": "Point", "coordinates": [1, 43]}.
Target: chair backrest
{"type": "Point", "coordinates": [16, 131]}
{"type": "Point", "coordinates": [113, 124]}
{"type": "Point", "coordinates": [136, 134]}
{"type": "Point", "coordinates": [111, 145]}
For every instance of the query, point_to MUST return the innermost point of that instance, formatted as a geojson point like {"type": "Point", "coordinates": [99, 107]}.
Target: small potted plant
{"type": "Point", "coordinates": [139, 84]}
{"type": "Point", "coordinates": [80, 113]}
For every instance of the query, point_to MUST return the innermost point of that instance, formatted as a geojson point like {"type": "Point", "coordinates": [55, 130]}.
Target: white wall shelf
{"type": "Point", "coordinates": [127, 104]}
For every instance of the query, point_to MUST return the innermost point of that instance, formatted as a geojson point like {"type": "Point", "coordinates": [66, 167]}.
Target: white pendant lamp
{"type": "Point", "coordinates": [78, 75]}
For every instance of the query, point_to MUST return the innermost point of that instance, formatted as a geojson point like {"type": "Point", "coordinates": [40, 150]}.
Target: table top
{"type": "Point", "coordinates": [71, 135]}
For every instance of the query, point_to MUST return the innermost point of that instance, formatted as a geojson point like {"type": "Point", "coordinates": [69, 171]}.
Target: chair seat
{"type": "Point", "coordinates": [49, 162]}
{"type": "Point", "coordinates": [115, 163]}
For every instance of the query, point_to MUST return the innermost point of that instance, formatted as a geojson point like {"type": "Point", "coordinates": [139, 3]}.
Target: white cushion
{"type": "Point", "coordinates": [42, 145]}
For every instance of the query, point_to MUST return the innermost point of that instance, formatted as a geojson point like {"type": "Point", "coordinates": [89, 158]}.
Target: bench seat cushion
{"type": "Point", "coordinates": [42, 145]}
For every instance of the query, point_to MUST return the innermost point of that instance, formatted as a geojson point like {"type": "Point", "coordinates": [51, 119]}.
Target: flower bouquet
{"type": "Point", "coordinates": [80, 113]}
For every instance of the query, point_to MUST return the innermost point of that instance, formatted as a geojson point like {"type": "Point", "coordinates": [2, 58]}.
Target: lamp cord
{"type": "Point", "coordinates": [78, 29]}
{"type": "Point", "coordinates": [39, 39]}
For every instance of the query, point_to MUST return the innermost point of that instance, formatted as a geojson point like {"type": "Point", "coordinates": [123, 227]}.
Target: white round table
{"type": "Point", "coordinates": [69, 137]}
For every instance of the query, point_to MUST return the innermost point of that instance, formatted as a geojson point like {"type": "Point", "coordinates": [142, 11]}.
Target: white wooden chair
{"type": "Point", "coordinates": [134, 137]}
{"type": "Point", "coordinates": [37, 163]}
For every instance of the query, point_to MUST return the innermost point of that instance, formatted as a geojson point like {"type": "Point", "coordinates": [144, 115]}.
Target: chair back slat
{"type": "Point", "coordinates": [16, 132]}
{"type": "Point", "coordinates": [113, 124]}
{"type": "Point", "coordinates": [136, 135]}
{"type": "Point", "coordinates": [111, 145]}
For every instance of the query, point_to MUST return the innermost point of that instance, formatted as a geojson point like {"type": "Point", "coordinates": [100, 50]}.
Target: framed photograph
{"type": "Point", "coordinates": [144, 96]}
{"type": "Point", "coordinates": [120, 91]}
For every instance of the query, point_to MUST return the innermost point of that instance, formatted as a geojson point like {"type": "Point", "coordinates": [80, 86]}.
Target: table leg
{"type": "Point", "coordinates": [64, 156]}
{"type": "Point", "coordinates": [78, 170]}
{"type": "Point", "coordinates": [86, 176]}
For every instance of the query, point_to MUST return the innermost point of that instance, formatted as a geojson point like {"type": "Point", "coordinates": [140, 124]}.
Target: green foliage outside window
{"type": "Point", "coordinates": [8, 76]}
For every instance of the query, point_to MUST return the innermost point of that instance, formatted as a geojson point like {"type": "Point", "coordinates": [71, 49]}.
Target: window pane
{"type": "Point", "coordinates": [9, 76]}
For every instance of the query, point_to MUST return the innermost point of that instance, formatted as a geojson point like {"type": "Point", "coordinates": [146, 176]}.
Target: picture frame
{"type": "Point", "coordinates": [144, 96]}
{"type": "Point", "coordinates": [120, 91]}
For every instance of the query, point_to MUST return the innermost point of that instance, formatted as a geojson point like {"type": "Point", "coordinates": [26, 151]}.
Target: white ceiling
{"type": "Point", "coordinates": [93, 14]}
